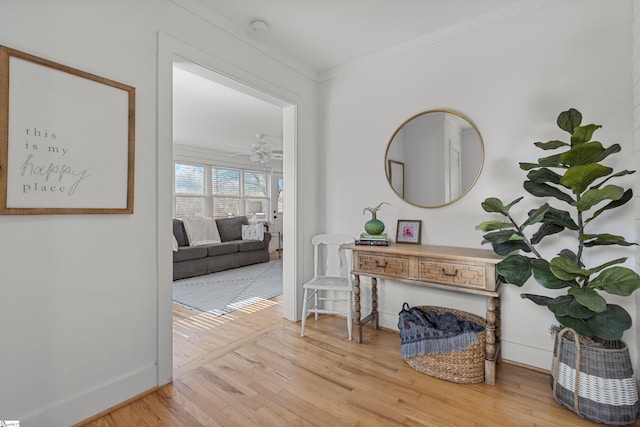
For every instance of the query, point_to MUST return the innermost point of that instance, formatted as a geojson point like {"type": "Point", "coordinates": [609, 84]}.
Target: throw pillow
{"type": "Point", "coordinates": [253, 232]}
{"type": "Point", "coordinates": [175, 243]}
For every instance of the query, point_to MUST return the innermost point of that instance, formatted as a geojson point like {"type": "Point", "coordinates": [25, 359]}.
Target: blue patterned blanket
{"type": "Point", "coordinates": [428, 332]}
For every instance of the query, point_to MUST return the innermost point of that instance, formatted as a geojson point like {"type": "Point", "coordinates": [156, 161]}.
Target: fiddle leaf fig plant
{"type": "Point", "coordinates": [574, 177]}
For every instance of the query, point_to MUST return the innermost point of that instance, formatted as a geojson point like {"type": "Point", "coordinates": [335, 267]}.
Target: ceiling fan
{"type": "Point", "coordinates": [262, 152]}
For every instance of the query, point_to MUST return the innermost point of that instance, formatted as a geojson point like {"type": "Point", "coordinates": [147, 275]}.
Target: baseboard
{"type": "Point", "coordinates": [85, 405]}
{"type": "Point", "coordinates": [116, 407]}
{"type": "Point", "coordinates": [525, 366]}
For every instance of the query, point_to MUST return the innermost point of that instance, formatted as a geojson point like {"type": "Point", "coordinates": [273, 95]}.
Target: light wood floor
{"type": "Point", "coordinates": [252, 368]}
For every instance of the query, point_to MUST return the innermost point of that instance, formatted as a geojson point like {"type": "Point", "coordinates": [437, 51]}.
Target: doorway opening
{"type": "Point", "coordinates": [233, 135]}
{"type": "Point", "coordinates": [170, 52]}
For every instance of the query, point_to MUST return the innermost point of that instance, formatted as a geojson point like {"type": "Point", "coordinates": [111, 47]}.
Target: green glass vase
{"type": "Point", "coordinates": [374, 226]}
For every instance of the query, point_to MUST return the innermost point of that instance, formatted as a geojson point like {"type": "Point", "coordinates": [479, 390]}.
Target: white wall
{"type": "Point", "coordinates": [636, 154]}
{"type": "Point", "coordinates": [80, 293]}
{"type": "Point", "coordinates": [511, 75]}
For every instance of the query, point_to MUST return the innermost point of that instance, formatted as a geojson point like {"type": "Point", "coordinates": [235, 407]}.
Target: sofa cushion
{"type": "Point", "coordinates": [250, 245]}
{"type": "Point", "coordinates": [231, 228]}
{"type": "Point", "coordinates": [190, 252]}
{"type": "Point", "coordinates": [179, 233]}
{"type": "Point", "coordinates": [217, 249]}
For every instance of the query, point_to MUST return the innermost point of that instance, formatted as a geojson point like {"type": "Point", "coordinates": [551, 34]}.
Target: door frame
{"type": "Point", "coordinates": [170, 50]}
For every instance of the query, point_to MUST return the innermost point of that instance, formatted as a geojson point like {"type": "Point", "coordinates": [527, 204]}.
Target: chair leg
{"type": "Point", "coordinates": [349, 314]}
{"type": "Point", "coordinates": [315, 301]}
{"type": "Point", "coordinates": [304, 312]}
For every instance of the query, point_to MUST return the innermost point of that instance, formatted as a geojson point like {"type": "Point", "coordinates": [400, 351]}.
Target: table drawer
{"type": "Point", "coordinates": [389, 266]}
{"type": "Point", "coordinates": [466, 275]}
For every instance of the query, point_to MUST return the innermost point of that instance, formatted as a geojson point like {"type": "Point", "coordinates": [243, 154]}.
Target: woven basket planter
{"type": "Point", "coordinates": [606, 390]}
{"type": "Point", "coordinates": [464, 366]}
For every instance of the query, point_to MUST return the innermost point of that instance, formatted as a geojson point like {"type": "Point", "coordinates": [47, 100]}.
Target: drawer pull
{"type": "Point", "coordinates": [378, 265]}
{"type": "Point", "coordinates": [454, 274]}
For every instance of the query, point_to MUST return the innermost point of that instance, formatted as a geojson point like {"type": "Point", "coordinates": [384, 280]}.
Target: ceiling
{"type": "Point", "coordinates": [324, 34]}
{"type": "Point", "coordinates": [314, 36]}
{"type": "Point", "coordinates": [214, 113]}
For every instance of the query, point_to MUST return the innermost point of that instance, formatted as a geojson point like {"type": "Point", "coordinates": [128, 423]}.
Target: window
{"type": "Point", "coordinates": [225, 185]}
{"type": "Point", "coordinates": [256, 194]}
{"type": "Point", "coordinates": [189, 190]}
{"type": "Point", "coordinates": [218, 192]}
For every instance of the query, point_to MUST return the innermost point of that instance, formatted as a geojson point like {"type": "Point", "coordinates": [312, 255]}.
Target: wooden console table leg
{"type": "Point", "coordinates": [374, 302]}
{"type": "Point", "coordinates": [493, 340]}
{"type": "Point", "coordinates": [356, 321]}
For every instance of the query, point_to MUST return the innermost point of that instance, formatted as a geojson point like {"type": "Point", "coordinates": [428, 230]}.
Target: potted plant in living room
{"type": "Point", "coordinates": [590, 329]}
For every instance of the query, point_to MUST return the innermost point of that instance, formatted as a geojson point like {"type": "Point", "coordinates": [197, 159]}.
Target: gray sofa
{"type": "Point", "coordinates": [232, 252]}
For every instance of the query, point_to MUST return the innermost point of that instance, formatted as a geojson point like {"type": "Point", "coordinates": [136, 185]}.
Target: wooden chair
{"type": "Point", "coordinates": [330, 290]}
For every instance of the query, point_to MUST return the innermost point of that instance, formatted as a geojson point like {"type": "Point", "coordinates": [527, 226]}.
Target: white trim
{"type": "Point", "coordinates": [171, 50]}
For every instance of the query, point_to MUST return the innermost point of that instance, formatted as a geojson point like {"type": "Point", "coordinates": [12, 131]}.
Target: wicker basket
{"type": "Point", "coordinates": [466, 366]}
{"type": "Point", "coordinates": [606, 389]}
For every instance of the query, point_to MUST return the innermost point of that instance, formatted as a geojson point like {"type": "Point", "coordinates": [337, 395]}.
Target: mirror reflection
{"type": "Point", "coordinates": [434, 158]}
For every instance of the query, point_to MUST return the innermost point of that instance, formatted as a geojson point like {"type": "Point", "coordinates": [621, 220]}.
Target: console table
{"type": "Point", "coordinates": [456, 269]}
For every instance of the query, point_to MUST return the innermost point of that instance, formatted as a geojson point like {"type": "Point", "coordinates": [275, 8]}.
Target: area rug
{"type": "Point", "coordinates": [225, 291]}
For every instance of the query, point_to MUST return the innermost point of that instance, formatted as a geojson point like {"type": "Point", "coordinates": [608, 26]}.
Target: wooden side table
{"type": "Point", "coordinates": [450, 268]}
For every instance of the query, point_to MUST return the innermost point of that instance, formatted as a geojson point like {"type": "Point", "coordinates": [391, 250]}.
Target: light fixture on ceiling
{"type": "Point", "coordinates": [258, 25]}
{"type": "Point", "coordinates": [260, 150]}
{"type": "Point", "coordinates": [260, 157]}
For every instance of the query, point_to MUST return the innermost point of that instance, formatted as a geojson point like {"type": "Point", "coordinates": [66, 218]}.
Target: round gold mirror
{"type": "Point", "coordinates": [434, 158]}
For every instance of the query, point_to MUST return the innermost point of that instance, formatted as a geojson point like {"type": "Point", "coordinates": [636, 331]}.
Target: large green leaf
{"type": "Point", "coordinates": [578, 325]}
{"type": "Point", "coordinates": [546, 229]}
{"type": "Point", "coordinates": [538, 299]}
{"type": "Point", "coordinates": [545, 190]}
{"type": "Point", "coordinates": [615, 148]}
{"type": "Point", "coordinates": [543, 175]}
{"type": "Point", "coordinates": [604, 239]}
{"type": "Point", "coordinates": [566, 305]}
{"type": "Point", "coordinates": [594, 196]}
{"type": "Point", "coordinates": [566, 269]}
{"type": "Point", "coordinates": [493, 204]}
{"type": "Point", "coordinates": [607, 265]}
{"type": "Point", "coordinates": [536, 215]}
{"type": "Point", "coordinates": [582, 134]}
{"type": "Point", "coordinates": [528, 166]}
{"type": "Point", "coordinates": [552, 161]}
{"type": "Point", "coordinates": [583, 154]}
{"type": "Point", "coordinates": [560, 217]}
{"type": "Point", "coordinates": [628, 195]}
{"type": "Point", "coordinates": [515, 269]}
{"type": "Point", "coordinates": [610, 324]}
{"type": "Point", "coordinates": [543, 275]}
{"type": "Point", "coordinates": [578, 178]}
{"type": "Point", "coordinates": [617, 280]}
{"type": "Point", "coordinates": [615, 175]}
{"type": "Point", "coordinates": [569, 254]}
{"type": "Point", "coordinates": [502, 236]}
{"type": "Point", "coordinates": [550, 145]}
{"type": "Point", "coordinates": [569, 120]}
{"type": "Point", "coordinates": [589, 298]}
{"type": "Point", "coordinates": [493, 225]}
{"type": "Point", "coordinates": [506, 248]}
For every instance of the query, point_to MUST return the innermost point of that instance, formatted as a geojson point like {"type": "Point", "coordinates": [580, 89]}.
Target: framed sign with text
{"type": "Point", "coordinates": [67, 139]}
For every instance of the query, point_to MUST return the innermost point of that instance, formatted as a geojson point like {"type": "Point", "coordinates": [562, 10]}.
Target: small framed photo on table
{"type": "Point", "coordinates": [409, 231]}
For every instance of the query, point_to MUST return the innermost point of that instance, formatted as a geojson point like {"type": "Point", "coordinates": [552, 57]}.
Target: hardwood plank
{"type": "Point", "coordinates": [251, 367]}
